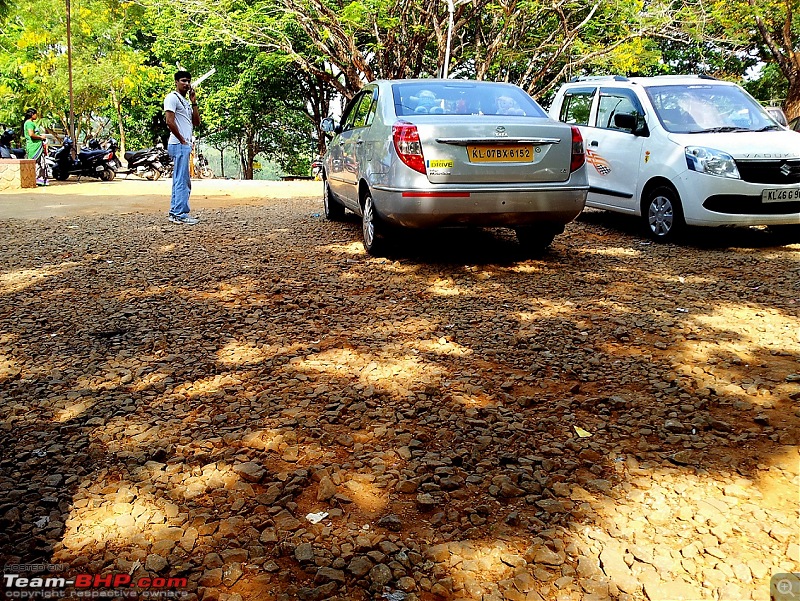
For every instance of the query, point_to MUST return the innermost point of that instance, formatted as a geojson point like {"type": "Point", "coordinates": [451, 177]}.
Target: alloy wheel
{"type": "Point", "coordinates": [368, 223]}
{"type": "Point", "coordinates": [661, 216]}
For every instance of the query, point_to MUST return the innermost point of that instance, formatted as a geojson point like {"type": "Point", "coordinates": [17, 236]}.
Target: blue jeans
{"type": "Point", "coordinates": [181, 181]}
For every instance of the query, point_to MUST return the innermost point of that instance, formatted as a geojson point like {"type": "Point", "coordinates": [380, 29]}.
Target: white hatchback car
{"type": "Point", "coordinates": [683, 149]}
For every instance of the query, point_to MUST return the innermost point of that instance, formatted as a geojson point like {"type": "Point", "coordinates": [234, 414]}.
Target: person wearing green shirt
{"type": "Point", "coordinates": [35, 145]}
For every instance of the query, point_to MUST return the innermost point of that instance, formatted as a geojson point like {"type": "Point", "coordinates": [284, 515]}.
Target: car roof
{"type": "Point", "coordinates": [442, 81]}
{"type": "Point", "coordinates": [667, 80]}
{"type": "Point", "coordinates": [656, 80]}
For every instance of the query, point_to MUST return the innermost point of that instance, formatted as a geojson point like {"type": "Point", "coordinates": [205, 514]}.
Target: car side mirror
{"type": "Point", "coordinates": [625, 121]}
{"type": "Point", "coordinates": [329, 126]}
{"type": "Point", "coordinates": [631, 123]}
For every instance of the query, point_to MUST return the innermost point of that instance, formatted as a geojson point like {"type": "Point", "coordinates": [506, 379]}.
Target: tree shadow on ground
{"type": "Point", "coordinates": [710, 238]}
{"type": "Point", "coordinates": [394, 378]}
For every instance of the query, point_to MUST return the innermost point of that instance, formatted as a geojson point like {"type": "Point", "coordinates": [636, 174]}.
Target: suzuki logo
{"type": "Point", "coordinates": [500, 131]}
{"type": "Point", "coordinates": [786, 169]}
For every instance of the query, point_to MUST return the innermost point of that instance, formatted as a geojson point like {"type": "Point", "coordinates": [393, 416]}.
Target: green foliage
{"type": "Point", "coordinates": [280, 62]}
{"type": "Point", "coordinates": [770, 86]}
{"type": "Point", "coordinates": [105, 65]}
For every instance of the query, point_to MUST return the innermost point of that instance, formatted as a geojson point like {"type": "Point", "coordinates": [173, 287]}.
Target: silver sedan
{"type": "Point", "coordinates": [442, 153]}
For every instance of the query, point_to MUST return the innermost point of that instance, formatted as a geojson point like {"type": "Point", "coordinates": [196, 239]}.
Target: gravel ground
{"type": "Point", "coordinates": [614, 419]}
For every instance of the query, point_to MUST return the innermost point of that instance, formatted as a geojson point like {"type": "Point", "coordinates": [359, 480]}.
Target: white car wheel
{"type": "Point", "coordinates": [662, 214]}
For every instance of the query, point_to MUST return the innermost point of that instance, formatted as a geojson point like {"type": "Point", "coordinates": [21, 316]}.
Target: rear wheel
{"type": "Point", "coordinates": [536, 238]}
{"type": "Point", "coordinates": [334, 210]}
{"type": "Point", "coordinates": [373, 229]}
{"type": "Point", "coordinates": [61, 176]}
{"type": "Point", "coordinates": [662, 214]}
{"type": "Point", "coordinates": [107, 175]}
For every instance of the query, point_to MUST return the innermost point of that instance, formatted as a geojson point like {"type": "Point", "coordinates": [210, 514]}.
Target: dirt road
{"type": "Point", "coordinates": [135, 195]}
{"type": "Point", "coordinates": [254, 405]}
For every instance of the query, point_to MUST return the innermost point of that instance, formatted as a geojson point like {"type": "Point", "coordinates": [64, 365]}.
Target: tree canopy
{"type": "Point", "coordinates": [282, 64]}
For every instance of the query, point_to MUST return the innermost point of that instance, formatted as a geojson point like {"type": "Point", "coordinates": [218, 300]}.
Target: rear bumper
{"type": "Point", "coordinates": [478, 206]}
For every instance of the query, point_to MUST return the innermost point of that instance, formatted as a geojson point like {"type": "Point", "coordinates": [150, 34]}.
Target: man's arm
{"type": "Point", "coordinates": [195, 112]}
{"type": "Point", "coordinates": [173, 127]}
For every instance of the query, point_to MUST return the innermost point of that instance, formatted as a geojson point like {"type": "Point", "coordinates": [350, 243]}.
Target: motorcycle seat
{"type": "Point", "coordinates": [135, 155]}
{"type": "Point", "coordinates": [88, 155]}
{"type": "Point", "coordinates": [12, 153]}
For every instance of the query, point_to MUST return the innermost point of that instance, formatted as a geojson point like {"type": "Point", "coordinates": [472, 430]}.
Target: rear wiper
{"type": "Point", "coordinates": [726, 128]}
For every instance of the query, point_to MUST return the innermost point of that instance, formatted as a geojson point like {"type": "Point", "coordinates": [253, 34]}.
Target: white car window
{"type": "Point", "coordinates": [615, 101]}
{"type": "Point", "coordinates": [577, 105]}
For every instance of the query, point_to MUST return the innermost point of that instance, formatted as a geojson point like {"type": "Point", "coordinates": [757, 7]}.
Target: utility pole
{"type": "Point", "coordinates": [450, 10]}
{"type": "Point", "coordinates": [71, 124]}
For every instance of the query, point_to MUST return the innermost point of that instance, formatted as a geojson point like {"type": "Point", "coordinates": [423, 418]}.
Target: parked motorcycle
{"type": "Point", "coordinates": [101, 163]}
{"type": "Point", "coordinates": [201, 168]}
{"type": "Point", "coordinates": [316, 169]}
{"type": "Point", "coordinates": [110, 144]}
{"type": "Point", "coordinates": [165, 160]}
{"type": "Point", "coordinates": [146, 163]}
{"type": "Point", "coordinates": [6, 151]}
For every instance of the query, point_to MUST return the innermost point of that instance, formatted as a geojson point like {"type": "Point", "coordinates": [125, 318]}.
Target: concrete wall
{"type": "Point", "coordinates": [17, 173]}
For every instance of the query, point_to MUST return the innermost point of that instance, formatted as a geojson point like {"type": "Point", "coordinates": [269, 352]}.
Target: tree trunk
{"type": "Point", "coordinates": [221, 163]}
{"type": "Point", "coordinates": [249, 154]}
{"type": "Point", "coordinates": [118, 108]}
{"type": "Point", "coordinates": [792, 103]}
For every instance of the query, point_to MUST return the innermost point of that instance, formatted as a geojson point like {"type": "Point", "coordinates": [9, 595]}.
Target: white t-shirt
{"type": "Point", "coordinates": [182, 107]}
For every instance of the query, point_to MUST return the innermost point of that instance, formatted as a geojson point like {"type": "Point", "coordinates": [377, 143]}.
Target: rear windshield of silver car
{"type": "Point", "coordinates": [463, 98]}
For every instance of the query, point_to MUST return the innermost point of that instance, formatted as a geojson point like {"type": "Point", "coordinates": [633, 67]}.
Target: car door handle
{"type": "Point", "coordinates": [593, 143]}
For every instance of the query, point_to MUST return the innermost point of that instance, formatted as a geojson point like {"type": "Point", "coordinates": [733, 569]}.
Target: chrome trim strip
{"type": "Point", "coordinates": [501, 141]}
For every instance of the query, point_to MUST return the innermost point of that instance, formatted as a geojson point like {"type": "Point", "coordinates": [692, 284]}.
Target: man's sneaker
{"type": "Point", "coordinates": [41, 182]}
{"type": "Point", "coordinates": [184, 219]}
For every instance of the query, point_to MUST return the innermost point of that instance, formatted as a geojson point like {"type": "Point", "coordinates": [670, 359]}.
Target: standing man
{"type": "Point", "coordinates": [180, 111]}
{"type": "Point", "coordinates": [35, 145]}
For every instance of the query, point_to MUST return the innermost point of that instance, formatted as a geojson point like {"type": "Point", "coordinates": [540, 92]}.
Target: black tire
{"type": "Point", "coordinates": [155, 175]}
{"type": "Point", "coordinates": [662, 214]}
{"type": "Point", "coordinates": [535, 239]}
{"type": "Point", "coordinates": [372, 228]}
{"type": "Point", "coordinates": [334, 210]}
{"type": "Point", "coordinates": [61, 176]}
{"type": "Point", "coordinates": [108, 175]}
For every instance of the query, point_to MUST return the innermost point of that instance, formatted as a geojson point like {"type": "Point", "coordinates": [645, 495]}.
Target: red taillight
{"type": "Point", "coordinates": [109, 156]}
{"type": "Point", "coordinates": [408, 146]}
{"type": "Point", "coordinates": [578, 155]}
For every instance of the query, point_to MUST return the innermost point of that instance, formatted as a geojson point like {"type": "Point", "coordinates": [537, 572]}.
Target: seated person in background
{"type": "Point", "coordinates": [428, 103]}
{"type": "Point", "coordinates": [508, 106]}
